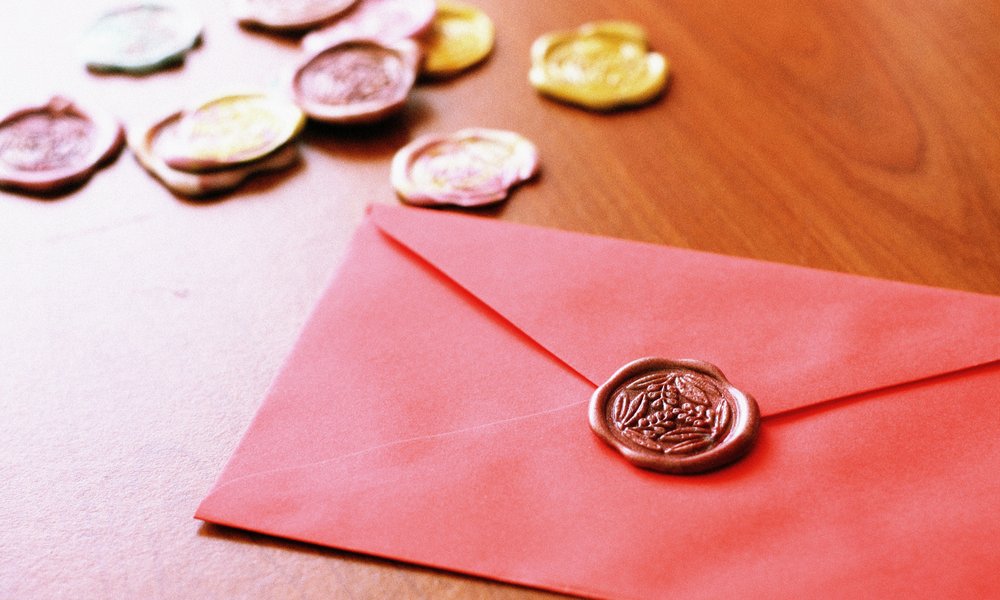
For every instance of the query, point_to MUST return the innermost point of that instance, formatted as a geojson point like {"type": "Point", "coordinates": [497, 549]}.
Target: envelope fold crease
{"type": "Point", "coordinates": [790, 336]}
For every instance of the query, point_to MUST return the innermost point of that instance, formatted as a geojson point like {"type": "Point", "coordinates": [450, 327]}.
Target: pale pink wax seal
{"type": "Point", "coordinates": [385, 20]}
{"type": "Point", "coordinates": [288, 15]}
{"type": "Point", "coordinates": [471, 167]}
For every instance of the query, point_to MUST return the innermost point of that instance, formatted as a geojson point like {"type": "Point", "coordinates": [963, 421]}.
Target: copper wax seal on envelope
{"type": "Point", "coordinates": [674, 416]}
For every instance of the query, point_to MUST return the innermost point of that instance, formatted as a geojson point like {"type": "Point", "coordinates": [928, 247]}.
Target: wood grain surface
{"type": "Point", "coordinates": [140, 331]}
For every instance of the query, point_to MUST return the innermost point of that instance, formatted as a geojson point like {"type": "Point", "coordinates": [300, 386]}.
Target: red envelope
{"type": "Point", "coordinates": [434, 411]}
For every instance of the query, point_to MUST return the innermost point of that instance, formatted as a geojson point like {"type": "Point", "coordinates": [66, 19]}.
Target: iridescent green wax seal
{"type": "Point", "coordinates": [140, 39]}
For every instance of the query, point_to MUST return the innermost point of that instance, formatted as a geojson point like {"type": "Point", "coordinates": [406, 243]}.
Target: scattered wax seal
{"type": "Point", "coordinates": [140, 39]}
{"type": "Point", "coordinates": [146, 143]}
{"type": "Point", "coordinates": [471, 167]}
{"type": "Point", "coordinates": [50, 147]}
{"type": "Point", "coordinates": [231, 131]}
{"type": "Point", "coordinates": [600, 66]}
{"type": "Point", "coordinates": [460, 37]}
{"type": "Point", "coordinates": [288, 15]}
{"type": "Point", "coordinates": [674, 416]}
{"type": "Point", "coordinates": [382, 20]}
{"type": "Point", "coordinates": [356, 81]}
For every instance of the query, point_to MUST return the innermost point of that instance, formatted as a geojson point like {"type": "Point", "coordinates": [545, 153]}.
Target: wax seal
{"type": "Point", "coordinates": [460, 37]}
{"type": "Point", "coordinates": [674, 416]}
{"type": "Point", "coordinates": [54, 146]}
{"type": "Point", "coordinates": [383, 20]}
{"type": "Point", "coordinates": [140, 39]}
{"type": "Point", "coordinates": [600, 66]}
{"type": "Point", "coordinates": [147, 145]}
{"type": "Point", "coordinates": [288, 15]}
{"type": "Point", "coordinates": [231, 131]}
{"type": "Point", "coordinates": [356, 81]}
{"type": "Point", "coordinates": [470, 167]}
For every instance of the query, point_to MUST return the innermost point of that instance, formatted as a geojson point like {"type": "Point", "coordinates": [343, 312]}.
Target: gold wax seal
{"type": "Point", "coordinates": [232, 131]}
{"type": "Point", "coordinates": [600, 66]}
{"type": "Point", "coordinates": [461, 36]}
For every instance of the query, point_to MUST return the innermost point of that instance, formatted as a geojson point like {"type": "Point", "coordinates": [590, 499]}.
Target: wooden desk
{"type": "Point", "coordinates": [140, 332]}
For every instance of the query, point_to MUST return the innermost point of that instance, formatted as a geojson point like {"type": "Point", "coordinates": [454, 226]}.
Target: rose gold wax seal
{"type": "Point", "coordinates": [674, 416]}
{"type": "Point", "coordinates": [54, 146]}
{"type": "Point", "coordinates": [356, 81]}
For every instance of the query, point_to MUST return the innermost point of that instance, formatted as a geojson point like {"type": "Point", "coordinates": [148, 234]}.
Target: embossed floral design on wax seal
{"type": "Point", "coordinates": [674, 416]}
{"type": "Point", "coordinates": [674, 412]}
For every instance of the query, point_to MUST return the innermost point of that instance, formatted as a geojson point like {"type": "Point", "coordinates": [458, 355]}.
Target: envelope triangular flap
{"type": "Point", "coordinates": [790, 336]}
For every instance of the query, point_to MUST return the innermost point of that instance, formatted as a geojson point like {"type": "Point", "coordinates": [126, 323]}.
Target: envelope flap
{"type": "Point", "coordinates": [790, 336]}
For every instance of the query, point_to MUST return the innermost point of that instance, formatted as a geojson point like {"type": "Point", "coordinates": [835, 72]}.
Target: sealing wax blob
{"type": "Point", "coordinates": [56, 145]}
